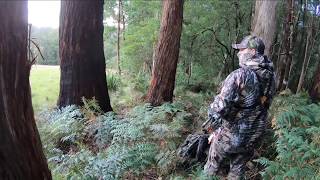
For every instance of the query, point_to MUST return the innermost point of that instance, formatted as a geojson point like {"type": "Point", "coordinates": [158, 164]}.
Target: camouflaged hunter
{"type": "Point", "coordinates": [241, 109]}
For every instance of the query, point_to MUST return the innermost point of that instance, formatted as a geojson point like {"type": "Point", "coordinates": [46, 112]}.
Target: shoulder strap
{"type": "Point", "coordinates": [264, 97]}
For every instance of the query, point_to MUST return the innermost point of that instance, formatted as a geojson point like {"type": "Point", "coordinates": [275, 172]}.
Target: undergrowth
{"type": "Point", "coordinates": [113, 82]}
{"type": "Point", "coordinates": [297, 132]}
{"type": "Point", "coordinates": [83, 145]}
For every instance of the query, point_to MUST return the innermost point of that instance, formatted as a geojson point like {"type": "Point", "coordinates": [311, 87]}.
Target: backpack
{"type": "Point", "coordinates": [194, 147]}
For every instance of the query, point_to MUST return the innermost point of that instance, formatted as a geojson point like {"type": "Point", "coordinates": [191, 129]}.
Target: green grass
{"type": "Point", "coordinates": [44, 82]}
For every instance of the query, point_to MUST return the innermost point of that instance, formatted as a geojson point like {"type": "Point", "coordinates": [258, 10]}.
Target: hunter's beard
{"type": "Point", "coordinates": [244, 57]}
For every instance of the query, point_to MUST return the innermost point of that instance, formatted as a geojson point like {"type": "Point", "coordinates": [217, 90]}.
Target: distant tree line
{"type": "Point", "coordinates": [47, 39]}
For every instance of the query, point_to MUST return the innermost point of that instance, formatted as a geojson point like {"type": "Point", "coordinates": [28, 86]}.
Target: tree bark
{"type": "Point", "coordinates": [314, 91]}
{"type": "Point", "coordinates": [123, 21]}
{"type": "Point", "coordinates": [308, 50]}
{"type": "Point", "coordinates": [285, 64]}
{"type": "Point", "coordinates": [83, 72]}
{"type": "Point", "coordinates": [264, 22]}
{"type": "Point", "coordinates": [118, 36]}
{"type": "Point", "coordinates": [21, 155]}
{"type": "Point", "coordinates": [167, 53]}
{"type": "Point", "coordinates": [301, 36]}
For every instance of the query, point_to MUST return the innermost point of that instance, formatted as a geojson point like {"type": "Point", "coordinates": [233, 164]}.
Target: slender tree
{"type": "Point", "coordinates": [21, 155]}
{"type": "Point", "coordinates": [300, 36]}
{"type": "Point", "coordinates": [289, 52]}
{"type": "Point", "coordinates": [118, 35]}
{"type": "Point", "coordinates": [167, 53]}
{"type": "Point", "coordinates": [81, 53]}
{"type": "Point", "coordinates": [264, 22]}
{"type": "Point", "coordinates": [311, 39]}
{"type": "Point", "coordinates": [314, 91]}
{"type": "Point", "coordinates": [285, 61]}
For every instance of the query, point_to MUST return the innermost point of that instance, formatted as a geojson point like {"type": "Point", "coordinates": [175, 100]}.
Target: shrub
{"type": "Point", "coordinates": [110, 147]}
{"type": "Point", "coordinates": [297, 128]}
{"type": "Point", "coordinates": [114, 82]}
{"type": "Point", "coordinates": [141, 82]}
{"type": "Point", "coordinates": [60, 128]}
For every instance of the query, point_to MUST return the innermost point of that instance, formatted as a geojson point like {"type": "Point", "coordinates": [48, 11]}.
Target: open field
{"type": "Point", "coordinates": [44, 82]}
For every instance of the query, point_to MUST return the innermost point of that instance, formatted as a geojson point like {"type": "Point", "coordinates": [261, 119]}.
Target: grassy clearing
{"type": "Point", "coordinates": [125, 91]}
{"type": "Point", "coordinates": [44, 82]}
{"type": "Point", "coordinates": [45, 89]}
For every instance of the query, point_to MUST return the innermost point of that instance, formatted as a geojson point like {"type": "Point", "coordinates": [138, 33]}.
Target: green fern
{"type": "Point", "coordinates": [147, 138]}
{"type": "Point", "coordinates": [298, 147]}
{"type": "Point", "coordinates": [90, 107]}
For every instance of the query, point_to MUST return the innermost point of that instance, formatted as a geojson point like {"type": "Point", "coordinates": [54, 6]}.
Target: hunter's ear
{"type": "Point", "coordinates": [253, 51]}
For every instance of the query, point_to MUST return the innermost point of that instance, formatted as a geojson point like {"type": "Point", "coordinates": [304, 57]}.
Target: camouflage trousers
{"type": "Point", "coordinates": [222, 147]}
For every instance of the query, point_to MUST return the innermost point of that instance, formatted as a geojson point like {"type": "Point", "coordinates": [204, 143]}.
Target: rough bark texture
{"type": "Point", "coordinates": [81, 53]}
{"type": "Point", "coordinates": [21, 155]}
{"type": "Point", "coordinates": [264, 22]}
{"type": "Point", "coordinates": [167, 53]}
{"type": "Point", "coordinates": [314, 92]}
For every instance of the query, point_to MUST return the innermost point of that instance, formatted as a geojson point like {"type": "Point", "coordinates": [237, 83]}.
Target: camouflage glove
{"type": "Point", "coordinates": [214, 122]}
{"type": "Point", "coordinates": [210, 126]}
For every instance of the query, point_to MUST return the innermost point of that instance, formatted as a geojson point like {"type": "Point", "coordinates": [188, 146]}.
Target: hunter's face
{"type": "Point", "coordinates": [247, 50]}
{"type": "Point", "coordinates": [245, 54]}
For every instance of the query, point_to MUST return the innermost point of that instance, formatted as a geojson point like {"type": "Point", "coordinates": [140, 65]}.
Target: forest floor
{"type": "Point", "coordinates": [78, 140]}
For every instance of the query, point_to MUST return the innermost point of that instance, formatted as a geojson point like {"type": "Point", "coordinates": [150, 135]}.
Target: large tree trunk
{"type": "Point", "coordinates": [264, 22]}
{"type": "Point", "coordinates": [21, 155]}
{"type": "Point", "coordinates": [81, 53]}
{"type": "Point", "coordinates": [167, 53]}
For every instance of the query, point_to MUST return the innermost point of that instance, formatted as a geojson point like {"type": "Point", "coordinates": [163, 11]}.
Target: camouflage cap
{"type": "Point", "coordinates": [252, 42]}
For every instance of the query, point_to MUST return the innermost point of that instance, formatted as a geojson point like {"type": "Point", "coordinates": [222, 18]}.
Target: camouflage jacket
{"type": "Point", "coordinates": [239, 103]}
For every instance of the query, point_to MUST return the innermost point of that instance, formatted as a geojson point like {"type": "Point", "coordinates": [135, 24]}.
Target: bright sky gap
{"type": "Point", "coordinates": [46, 14]}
